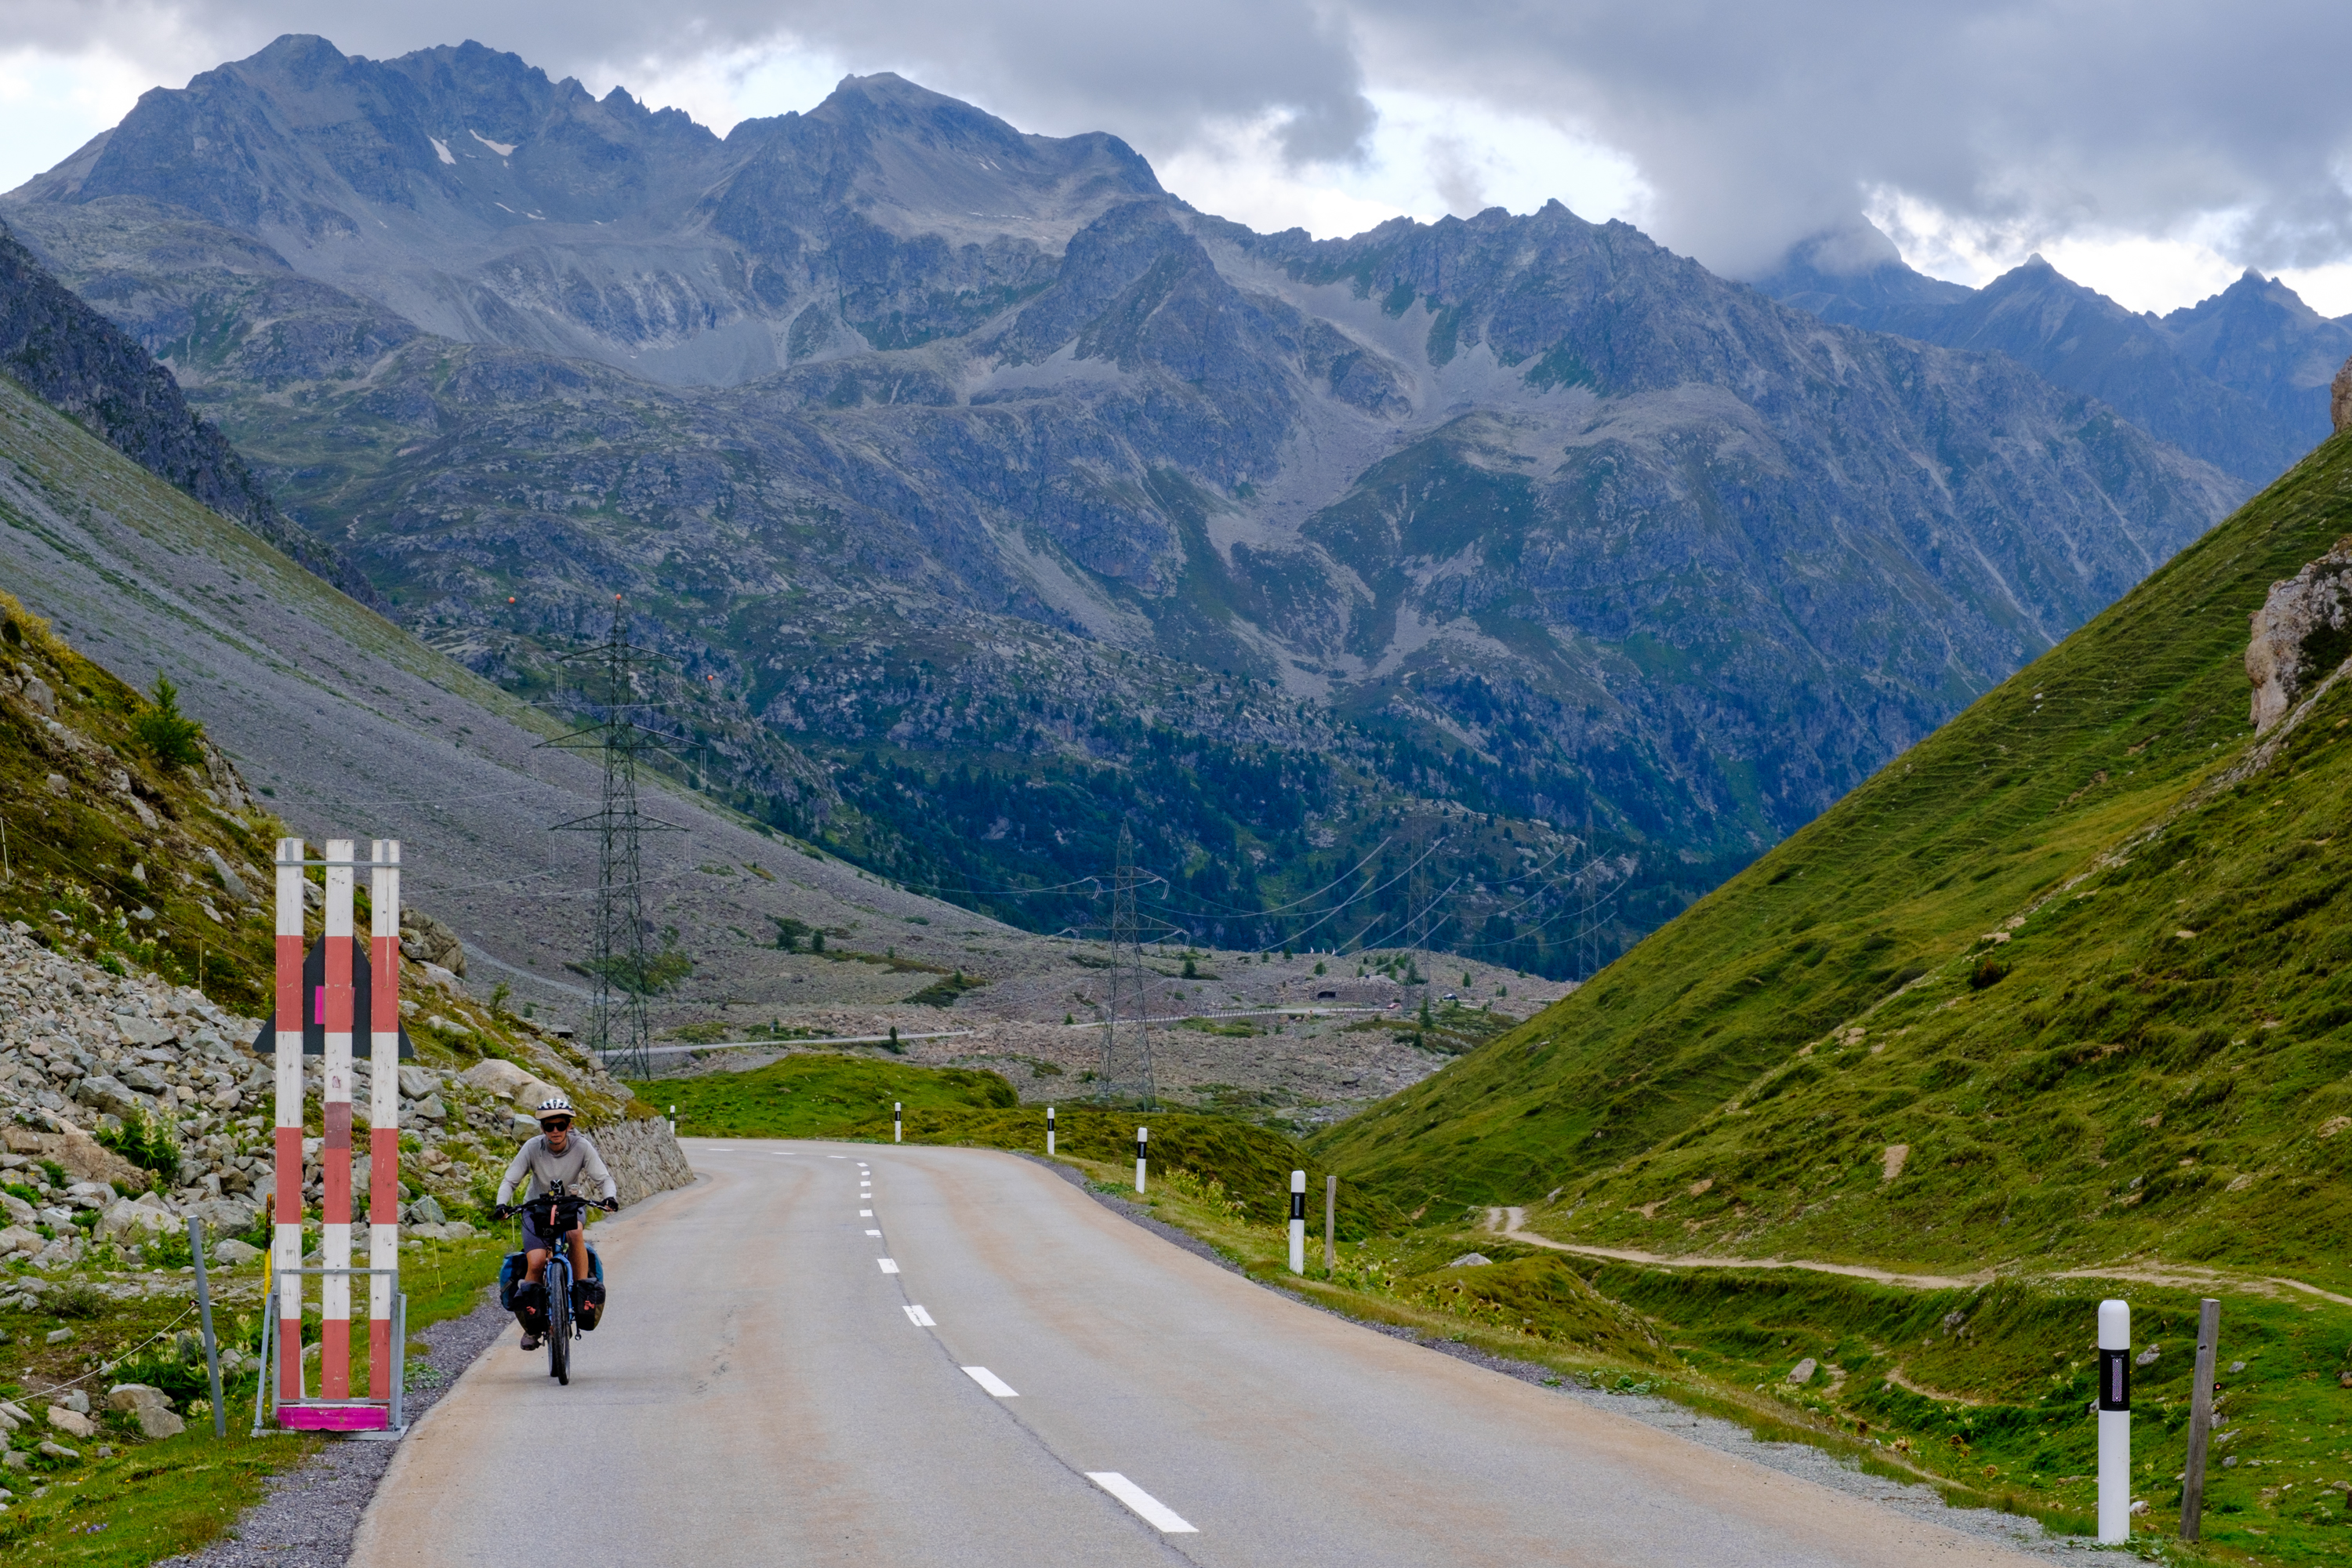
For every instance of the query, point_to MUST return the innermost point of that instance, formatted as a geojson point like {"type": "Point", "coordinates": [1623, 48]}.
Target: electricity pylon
{"type": "Point", "coordinates": [1126, 1072]}
{"type": "Point", "coordinates": [620, 965]}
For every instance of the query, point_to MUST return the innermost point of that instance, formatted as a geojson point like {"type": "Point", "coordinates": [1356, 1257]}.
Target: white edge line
{"type": "Point", "coordinates": [1001, 1389]}
{"type": "Point", "coordinates": [920, 1319]}
{"type": "Point", "coordinates": [1150, 1508]}
{"type": "Point", "coordinates": [889, 1264]}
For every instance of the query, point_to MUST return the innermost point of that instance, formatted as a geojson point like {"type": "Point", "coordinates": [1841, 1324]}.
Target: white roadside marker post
{"type": "Point", "coordinates": [1049, 1130]}
{"type": "Point", "coordinates": [2115, 1423]}
{"type": "Point", "coordinates": [1298, 1222]}
{"type": "Point", "coordinates": [898, 1125]}
{"type": "Point", "coordinates": [1142, 1136]}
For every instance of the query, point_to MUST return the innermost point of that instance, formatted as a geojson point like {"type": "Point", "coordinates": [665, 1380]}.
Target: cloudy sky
{"type": "Point", "coordinates": [2151, 148]}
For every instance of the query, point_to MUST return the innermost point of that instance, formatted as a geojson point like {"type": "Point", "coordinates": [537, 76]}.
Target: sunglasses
{"type": "Point", "coordinates": [562, 1126]}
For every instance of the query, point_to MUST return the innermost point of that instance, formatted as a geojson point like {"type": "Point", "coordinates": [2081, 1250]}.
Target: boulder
{"type": "Point", "coordinates": [16, 1209]}
{"type": "Point", "coordinates": [144, 1079]}
{"type": "Point", "coordinates": [430, 1109]}
{"type": "Point", "coordinates": [21, 1240]}
{"type": "Point", "coordinates": [83, 1157]}
{"type": "Point", "coordinates": [1471, 1261]}
{"type": "Point", "coordinates": [2299, 636]}
{"type": "Point", "coordinates": [147, 1405]}
{"type": "Point", "coordinates": [418, 1082]}
{"type": "Point", "coordinates": [427, 940]}
{"type": "Point", "coordinates": [1803, 1373]}
{"type": "Point", "coordinates": [495, 1075]}
{"type": "Point", "coordinates": [71, 1424]}
{"type": "Point", "coordinates": [226, 1215]}
{"type": "Point", "coordinates": [232, 1253]}
{"type": "Point", "coordinates": [142, 1031]}
{"type": "Point", "coordinates": [229, 880]}
{"type": "Point", "coordinates": [104, 1091]}
{"type": "Point", "coordinates": [129, 1222]}
{"type": "Point", "coordinates": [428, 1233]}
{"type": "Point", "coordinates": [426, 1210]}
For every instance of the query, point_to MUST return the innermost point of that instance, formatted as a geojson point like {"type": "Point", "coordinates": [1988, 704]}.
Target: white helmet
{"type": "Point", "coordinates": [555, 1105]}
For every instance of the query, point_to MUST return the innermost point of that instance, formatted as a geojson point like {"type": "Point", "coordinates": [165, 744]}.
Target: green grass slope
{"type": "Point", "coordinates": [2095, 1082]}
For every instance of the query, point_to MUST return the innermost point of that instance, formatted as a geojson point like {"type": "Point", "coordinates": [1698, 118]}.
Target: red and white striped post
{"type": "Point", "coordinates": [383, 1108]}
{"type": "Point", "coordinates": [335, 1152]}
{"type": "Point", "coordinates": [286, 1234]}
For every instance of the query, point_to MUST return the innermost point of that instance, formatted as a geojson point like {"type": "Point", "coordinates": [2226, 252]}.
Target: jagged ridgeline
{"type": "Point", "coordinates": [2065, 981]}
{"type": "Point", "coordinates": [986, 495]}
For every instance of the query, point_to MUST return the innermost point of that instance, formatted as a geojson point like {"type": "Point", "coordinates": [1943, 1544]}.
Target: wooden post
{"type": "Point", "coordinates": [1330, 1224]}
{"type": "Point", "coordinates": [2200, 1417]}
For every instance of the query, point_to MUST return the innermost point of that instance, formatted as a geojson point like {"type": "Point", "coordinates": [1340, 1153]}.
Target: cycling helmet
{"type": "Point", "coordinates": [554, 1106]}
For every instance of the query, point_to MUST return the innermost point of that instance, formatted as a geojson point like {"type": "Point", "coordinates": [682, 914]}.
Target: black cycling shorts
{"type": "Point", "coordinates": [532, 1241]}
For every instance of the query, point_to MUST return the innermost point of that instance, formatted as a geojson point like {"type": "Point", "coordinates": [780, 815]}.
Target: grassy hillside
{"type": "Point", "coordinates": [2092, 998]}
{"type": "Point", "coordinates": [117, 821]}
{"type": "Point", "coordinates": [816, 1096]}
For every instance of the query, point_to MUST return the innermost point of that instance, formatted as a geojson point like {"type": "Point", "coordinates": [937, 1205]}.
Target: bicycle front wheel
{"type": "Point", "coordinates": [558, 1323]}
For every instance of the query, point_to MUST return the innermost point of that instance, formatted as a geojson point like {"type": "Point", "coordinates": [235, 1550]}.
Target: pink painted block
{"type": "Point", "coordinates": [334, 1418]}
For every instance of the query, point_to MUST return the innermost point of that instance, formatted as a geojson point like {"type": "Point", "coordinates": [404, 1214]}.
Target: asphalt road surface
{"type": "Point", "coordinates": [846, 1354]}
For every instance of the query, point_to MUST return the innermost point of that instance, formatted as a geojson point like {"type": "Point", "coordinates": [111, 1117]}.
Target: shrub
{"type": "Point", "coordinates": [167, 732]}
{"type": "Point", "coordinates": [75, 1301]}
{"type": "Point", "coordinates": [145, 1140]}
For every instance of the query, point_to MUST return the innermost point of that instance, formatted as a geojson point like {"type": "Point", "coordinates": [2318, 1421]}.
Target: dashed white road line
{"type": "Point", "coordinates": [865, 1214]}
{"type": "Point", "coordinates": [920, 1319]}
{"type": "Point", "coordinates": [1148, 1509]}
{"type": "Point", "coordinates": [890, 1266]}
{"type": "Point", "coordinates": [873, 1233]}
{"type": "Point", "coordinates": [1003, 1390]}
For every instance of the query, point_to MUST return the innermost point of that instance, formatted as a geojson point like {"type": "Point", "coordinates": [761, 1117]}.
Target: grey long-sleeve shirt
{"type": "Point", "coordinates": [545, 1167]}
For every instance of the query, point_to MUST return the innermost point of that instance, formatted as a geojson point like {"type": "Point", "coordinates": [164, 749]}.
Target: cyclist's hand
{"type": "Point", "coordinates": [502, 1212]}
{"type": "Point", "coordinates": [610, 1206]}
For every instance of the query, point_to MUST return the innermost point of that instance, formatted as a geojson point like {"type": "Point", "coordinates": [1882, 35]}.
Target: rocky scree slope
{"type": "Point", "coordinates": [2063, 983]}
{"type": "Point", "coordinates": [1538, 518]}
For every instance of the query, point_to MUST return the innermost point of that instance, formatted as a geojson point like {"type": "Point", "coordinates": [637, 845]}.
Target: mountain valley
{"type": "Point", "coordinates": [949, 466]}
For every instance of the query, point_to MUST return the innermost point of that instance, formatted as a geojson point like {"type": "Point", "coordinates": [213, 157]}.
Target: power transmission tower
{"type": "Point", "coordinates": [620, 966]}
{"type": "Point", "coordinates": [1126, 1073]}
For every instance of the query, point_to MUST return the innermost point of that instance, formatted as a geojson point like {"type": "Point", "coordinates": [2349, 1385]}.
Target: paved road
{"type": "Point", "coordinates": [762, 1393]}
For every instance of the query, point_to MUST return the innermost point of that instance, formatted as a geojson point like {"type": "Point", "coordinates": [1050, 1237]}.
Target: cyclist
{"type": "Point", "coordinates": [557, 1154]}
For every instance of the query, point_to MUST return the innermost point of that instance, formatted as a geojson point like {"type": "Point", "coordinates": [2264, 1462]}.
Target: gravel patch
{"type": "Point", "coordinates": [307, 1518]}
{"type": "Point", "coordinates": [1914, 1498]}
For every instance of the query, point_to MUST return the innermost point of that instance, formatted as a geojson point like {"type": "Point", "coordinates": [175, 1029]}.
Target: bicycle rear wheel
{"type": "Point", "coordinates": [559, 1321]}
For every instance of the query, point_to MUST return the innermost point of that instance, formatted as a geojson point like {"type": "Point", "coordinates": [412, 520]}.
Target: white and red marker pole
{"type": "Point", "coordinates": [286, 1233]}
{"type": "Point", "coordinates": [383, 1107]}
{"type": "Point", "coordinates": [335, 1150]}
{"type": "Point", "coordinates": [1143, 1142]}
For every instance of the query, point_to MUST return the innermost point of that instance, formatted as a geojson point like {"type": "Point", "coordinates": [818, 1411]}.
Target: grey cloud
{"type": "Point", "coordinates": [2037, 119]}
